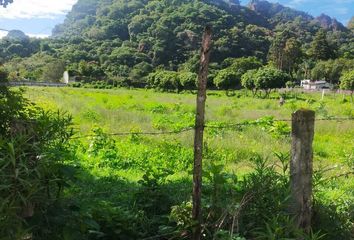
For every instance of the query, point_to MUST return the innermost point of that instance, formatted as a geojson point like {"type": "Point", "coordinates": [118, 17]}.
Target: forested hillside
{"type": "Point", "coordinates": [122, 41]}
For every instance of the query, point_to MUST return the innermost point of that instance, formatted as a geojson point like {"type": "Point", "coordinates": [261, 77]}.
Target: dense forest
{"type": "Point", "coordinates": [156, 44]}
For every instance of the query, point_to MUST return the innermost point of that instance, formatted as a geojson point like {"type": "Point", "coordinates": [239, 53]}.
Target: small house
{"type": "Point", "coordinates": [315, 85]}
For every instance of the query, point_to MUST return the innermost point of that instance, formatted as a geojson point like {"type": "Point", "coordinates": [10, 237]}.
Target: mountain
{"type": "Point", "coordinates": [128, 39]}
{"type": "Point", "coordinates": [16, 35]}
{"type": "Point", "coordinates": [275, 12]}
{"type": "Point", "coordinates": [329, 23]}
{"type": "Point", "coordinates": [159, 28]}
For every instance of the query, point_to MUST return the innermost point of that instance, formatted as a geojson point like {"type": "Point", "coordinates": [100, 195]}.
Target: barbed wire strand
{"type": "Point", "coordinates": [225, 126]}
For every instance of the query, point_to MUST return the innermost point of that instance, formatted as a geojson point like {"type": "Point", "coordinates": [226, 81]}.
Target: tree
{"type": "Point", "coordinates": [230, 77]}
{"type": "Point", "coordinates": [285, 52]}
{"type": "Point", "coordinates": [242, 65]}
{"type": "Point", "coordinates": [91, 70]}
{"type": "Point", "coordinates": [164, 80]}
{"type": "Point", "coordinates": [292, 54]}
{"type": "Point", "coordinates": [347, 82]}
{"type": "Point", "coordinates": [265, 79]}
{"type": "Point", "coordinates": [331, 70]}
{"type": "Point", "coordinates": [3, 75]}
{"type": "Point", "coordinates": [248, 81]}
{"type": "Point", "coordinates": [269, 78]}
{"type": "Point", "coordinates": [320, 48]}
{"type": "Point", "coordinates": [53, 72]}
{"type": "Point", "coordinates": [188, 80]}
{"type": "Point", "coordinates": [140, 71]}
{"type": "Point", "coordinates": [227, 79]}
{"type": "Point", "coordinates": [305, 68]}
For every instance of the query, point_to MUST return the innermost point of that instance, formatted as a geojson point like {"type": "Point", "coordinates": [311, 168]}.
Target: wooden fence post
{"type": "Point", "coordinates": [303, 123]}
{"type": "Point", "coordinates": [199, 130]}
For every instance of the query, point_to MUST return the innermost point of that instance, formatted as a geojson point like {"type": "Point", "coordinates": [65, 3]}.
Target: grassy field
{"type": "Point", "coordinates": [120, 162]}
{"type": "Point", "coordinates": [147, 111]}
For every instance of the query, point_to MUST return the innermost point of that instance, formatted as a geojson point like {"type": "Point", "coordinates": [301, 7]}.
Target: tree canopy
{"type": "Point", "coordinates": [347, 81]}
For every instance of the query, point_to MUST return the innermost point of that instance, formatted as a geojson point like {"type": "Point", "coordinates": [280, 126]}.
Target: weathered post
{"type": "Point", "coordinates": [303, 123]}
{"type": "Point", "coordinates": [199, 130]}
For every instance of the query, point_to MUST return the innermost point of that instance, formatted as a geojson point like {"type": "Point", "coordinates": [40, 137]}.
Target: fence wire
{"type": "Point", "coordinates": [229, 126]}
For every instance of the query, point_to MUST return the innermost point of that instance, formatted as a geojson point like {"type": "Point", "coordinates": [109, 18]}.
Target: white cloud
{"type": "Point", "coordinates": [37, 35]}
{"type": "Point", "coordinates": [26, 9]}
{"type": "Point", "coordinates": [3, 34]}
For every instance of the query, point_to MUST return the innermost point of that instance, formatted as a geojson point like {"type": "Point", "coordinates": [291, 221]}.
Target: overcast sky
{"type": "Point", "coordinates": [38, 17]}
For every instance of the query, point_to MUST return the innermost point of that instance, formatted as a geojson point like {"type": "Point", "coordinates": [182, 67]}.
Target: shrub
{"type": "Point", "coordinates": [347, 82]}
{"type": "Point", "coordinates": [188, 80]}
{"type": "Point", "coordinates": [227, 79]}
{"type": "Point", "coordinates": [266, 79]}
{"type": "Point", "coordinates": [248, 80]}
{"type": "Point", "coordinates": [164, 80]}
{"type": "Point", "coordinates": [33, 173]}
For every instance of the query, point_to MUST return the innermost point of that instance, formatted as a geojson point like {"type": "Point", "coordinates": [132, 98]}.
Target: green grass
{"type": "Point", "coordinates": [145, 110]}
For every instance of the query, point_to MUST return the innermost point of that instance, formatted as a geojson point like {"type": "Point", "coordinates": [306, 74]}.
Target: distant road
{"type": "Point", "coordinates": [39, 84]}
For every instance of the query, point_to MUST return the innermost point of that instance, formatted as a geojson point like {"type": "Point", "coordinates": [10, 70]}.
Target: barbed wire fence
{"type": "Point", "coordinates": [228, 126]}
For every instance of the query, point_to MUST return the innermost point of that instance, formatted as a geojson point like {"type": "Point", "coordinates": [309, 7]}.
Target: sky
{"type": "Point", "coordinates": [37, 18]}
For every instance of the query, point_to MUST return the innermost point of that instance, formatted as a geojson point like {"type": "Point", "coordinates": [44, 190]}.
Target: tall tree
{"type": "Point", "coordinates": [292, 55]}
{"type": "Point", "coordinates": [276, 51]}
{"type": "Point", "coordinates": [285, 51]}
{"type": "Point", "coordinates": [320, 47]}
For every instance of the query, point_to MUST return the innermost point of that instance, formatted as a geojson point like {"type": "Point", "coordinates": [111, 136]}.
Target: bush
{"type": "Point", "coordinates": [172, 81]}
{"type": "Point", "coordinates": [347, 82]}
{"type": "Point", "coordinates": [188, 80]}
{"type": "Point", "coordinates": [227, 79]}
{"type": "Point", "coordinates": [33, 147]}
{"type": "Point", "coordinates": [248, 80]}
{"type": "Point", "coordinates": [266, 79]}
{"type": "Point", "coordinates": [164, 80]}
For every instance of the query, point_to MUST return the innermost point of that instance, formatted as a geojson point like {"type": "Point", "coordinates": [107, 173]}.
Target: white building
{"type": "Point", "coordinates": [315, 85]}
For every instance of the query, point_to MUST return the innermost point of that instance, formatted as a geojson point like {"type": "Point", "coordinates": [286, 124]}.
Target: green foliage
{"type": "Point", "coordinates": [38, 67]}
{"type": "Point", "coordinates": [320, 48]}
{"type": "Point", "coordinates": [188, 80]}
{"type": "Point", "coordinates": [242, 65]}
{"type": "Point", "coordinates": [266, 78]}
{"type": "Point", "coordinates": [285, 52]}
{"type": "Point", "coordinates": [331, 70]}
{"type": "Point", "coordinates": [90, 70]}
{"type": "Point", "coordinates": [347, 81]}
{"type": "Point", "coordinates": [53, 72]}
{"type": "Point", "coordinates": [290, 84]}
{"type": "Point", "coordinates": [248, 80]}
{"type": "Point", "coordinates": [172, 81]}
{"type": "Point", "coordinates": [33, 151]}
{"type": "Point", "coordinates": [227, 79]}
{"type": "Point", "coordinates": [270, 78]}
{"type": "Point", "coordinates": [164, 80]}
